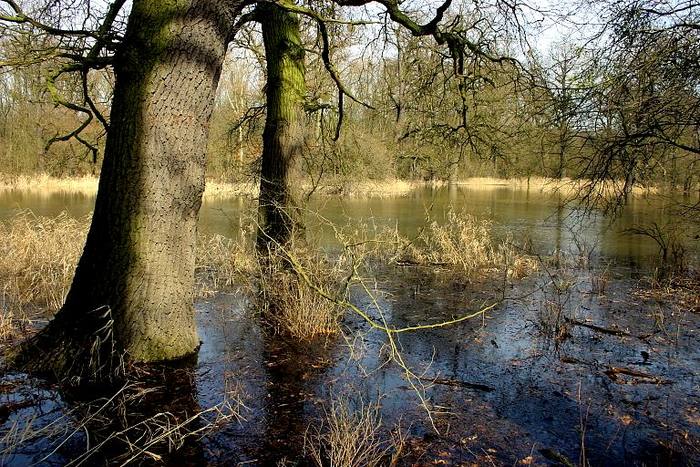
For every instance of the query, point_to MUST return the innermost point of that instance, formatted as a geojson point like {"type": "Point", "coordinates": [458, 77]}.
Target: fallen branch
{"type": "Point", "coordinates": [459, 383]}
{"type": "Point", "coordinates": [612, 332]}
{"type": "Point", "coordinates": [642, 378]}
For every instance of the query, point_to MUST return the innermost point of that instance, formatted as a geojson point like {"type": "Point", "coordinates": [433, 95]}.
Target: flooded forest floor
{"type": "Point", "coordinates": [580, 359]}
{"type": "Point", "coordinates": [566, 371]}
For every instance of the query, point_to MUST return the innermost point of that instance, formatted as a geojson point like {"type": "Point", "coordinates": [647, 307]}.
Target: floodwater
{"type": "Point", "coordinates": [620, 386]}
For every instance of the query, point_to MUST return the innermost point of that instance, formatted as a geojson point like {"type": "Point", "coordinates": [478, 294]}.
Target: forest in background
{"type": "Point", "coordinates": [620, 103]}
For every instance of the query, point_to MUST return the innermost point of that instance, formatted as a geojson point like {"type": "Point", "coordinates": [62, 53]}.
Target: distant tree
{"type": "Point", "coordinates": [647, 122]}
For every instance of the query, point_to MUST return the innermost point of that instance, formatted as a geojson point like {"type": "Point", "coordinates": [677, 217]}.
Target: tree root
{"type": "Point", "coordinates": [70, 350]}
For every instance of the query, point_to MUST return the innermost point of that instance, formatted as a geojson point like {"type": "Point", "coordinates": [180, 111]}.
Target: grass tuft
{"type": "Point", "coordinates": [348, 436]}
{"type": "Point", "coordinates": [464, 245]}
{"type": "Point", "coordinates": [290, 305]}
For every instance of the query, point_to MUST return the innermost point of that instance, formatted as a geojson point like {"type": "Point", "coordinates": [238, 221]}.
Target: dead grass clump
{"type": "Point", "coordinates": [348, 437]}
{"type": "Point", "coordinates": [681, 291]}
{"type": "Point", "coordinates": [463, 244]}
{"type": "Point", "coordinates": [37, 261]}
{"type": "Point", "coordinates": [289, 304]}
{"type": "Point", "coordinates": [223, 262]}
{"type": "Point", "coordinates": [599, 283]}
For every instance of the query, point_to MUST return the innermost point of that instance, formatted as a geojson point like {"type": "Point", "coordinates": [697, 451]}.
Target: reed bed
{"type": "Point", "coordinates": [37, 262]}
{"type": "Point", "coordinates": [43, 184]}
{"type": "Point", "coordinates": [566, 186]}
{"type": "Point", "coordinates": [216, 190]}
{"type": "Point", "coordinates": [463, 245]}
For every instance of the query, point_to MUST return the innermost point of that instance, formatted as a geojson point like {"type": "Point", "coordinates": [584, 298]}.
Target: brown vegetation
{"type": "Point", "coordinates": [37, 261]}
{"type": "Point", "coordinates": [463, 245]}
{"type": "Point", "coordinates": [290, 305]}
{"type": "Point", "coordinates": [351, 436]}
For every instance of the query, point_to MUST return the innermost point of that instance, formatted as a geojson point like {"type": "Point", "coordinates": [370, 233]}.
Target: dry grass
{"type": "Point", "coordinates": [681, 291]}
{"type": "Point", "coordinates": [38, 257]}
{"type": "Point", "coordinates": [43, 184]}
{"type": "Point", "coordinates": [223, 262]}
{"type": "Point", "coordinates": [290, 305]}
{"type": "Point", "coordinates": [566, 186]}
{"type": "Point", "coordinates": [222, 190]}
{"type": "Point", "coordinates": [215, 190]}
{"type": "Point", "coordinates": [599, 282]}
{"type": "Point", "coordinates": [371, 188]}
{"type": "Point", "coordinates": [47, 185]}
{"type": "Point", "coordinates": [37, 262]}
{"type": "Point", "coordinates": [463, 244]}
{"type": "Point", "coordinates": [351, 437]}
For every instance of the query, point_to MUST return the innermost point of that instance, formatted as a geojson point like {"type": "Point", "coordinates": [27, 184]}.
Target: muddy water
{"type": "Point", "coordinates": [503, 390]}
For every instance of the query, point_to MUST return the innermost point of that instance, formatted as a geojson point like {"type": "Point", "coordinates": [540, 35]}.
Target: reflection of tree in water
{"type": "Point", "coordinates": [152, 419]}
{"type": "Point", "coordinates": [291, 371]}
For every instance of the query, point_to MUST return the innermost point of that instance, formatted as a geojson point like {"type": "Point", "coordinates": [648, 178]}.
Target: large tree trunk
{"type": "Point", "coordinates": [133, 287]}
{"type": "Point", "coordinates": [283, 138]}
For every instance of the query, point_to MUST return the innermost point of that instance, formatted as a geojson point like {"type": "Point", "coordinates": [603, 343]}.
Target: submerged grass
{"type": "Point", "coordinates": [463, 245]}
{"type": "Point", "coordinates": [290, 305]}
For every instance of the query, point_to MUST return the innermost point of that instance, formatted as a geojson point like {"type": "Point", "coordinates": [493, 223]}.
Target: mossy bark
{"type": "Point", "coordinates": [137, 268]}
{"type": "Point", "coordinates": [280, 218]}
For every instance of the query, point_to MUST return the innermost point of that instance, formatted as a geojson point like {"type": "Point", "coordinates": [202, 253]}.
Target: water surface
{"type": "Point", "coordinates": [505, 393]}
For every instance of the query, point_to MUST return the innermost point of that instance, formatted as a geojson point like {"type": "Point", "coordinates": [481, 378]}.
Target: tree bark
{"type": "Point", "coordinates": [132, 294]}
{"type": "Point", "coordinates": [279, 215]}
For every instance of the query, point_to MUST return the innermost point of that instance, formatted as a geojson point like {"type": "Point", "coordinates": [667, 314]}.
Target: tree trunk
{"type": "Point", "coordinates": [279, 216]}
{"type": "Point", "coordinates": [133, 287]}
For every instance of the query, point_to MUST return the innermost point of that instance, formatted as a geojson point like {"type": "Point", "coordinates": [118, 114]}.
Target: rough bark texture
{"type": "Point", "coordinates": [283, 137]}
{"type": "Point", "coordinates": [137, 268]}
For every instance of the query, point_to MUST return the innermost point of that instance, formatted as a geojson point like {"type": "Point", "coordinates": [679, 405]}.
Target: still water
{"type": "Point", "coordinates": [506, 394]}
{"type": "Point", "coordinates": [538, 216]}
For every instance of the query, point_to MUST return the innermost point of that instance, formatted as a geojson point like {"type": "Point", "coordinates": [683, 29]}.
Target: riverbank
{"type": "Point", "coordinates": [216, 189]}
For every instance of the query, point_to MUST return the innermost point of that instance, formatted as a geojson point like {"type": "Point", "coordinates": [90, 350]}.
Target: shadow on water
{"type": "Point", "coordinates": [142, 421]}
{"type": "Point", "coordinates": [504, 392]}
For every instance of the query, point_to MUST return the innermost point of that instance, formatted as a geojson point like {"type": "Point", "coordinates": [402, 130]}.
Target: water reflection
{"type": "Point", "coordinates": [537, 398]}
{"type": "Point", "coordinates": [543, 217]}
